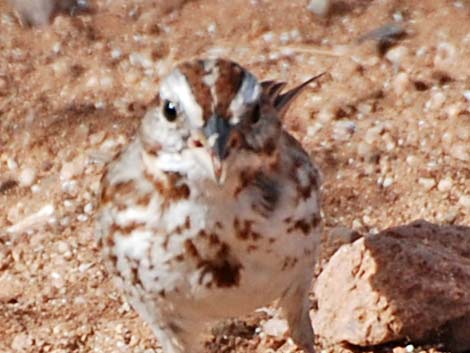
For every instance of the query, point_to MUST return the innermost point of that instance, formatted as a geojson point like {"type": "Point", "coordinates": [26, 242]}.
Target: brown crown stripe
{"type": "Point", "coordinates": [194, 73]}
{"type": "Point", "coordinates": [230, 77]}
{"type": "Point", "coordinates": [227, 85]}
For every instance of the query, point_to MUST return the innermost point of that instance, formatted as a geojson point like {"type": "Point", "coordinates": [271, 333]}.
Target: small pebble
{"type": "Point", "coordinates": [436, 102]}
{"type": "Point", "coordinates": [11, 164]}
{"type": "Point", "coordinates": [397, 55]}
{"type": "Point", "coordinates": [460, 151]}
{"type": "Point", "coordinates": [319, 7]}
{"type": "Point", "coordinates": [427, 183]}
{"type": "Point", "coordinates": [63, 247]}
{"type": "Point", "coordinates": [445, 185]}
{"type": "Point", "coordinates": [325, 115]}
{"type": "Point", "coordinates": [466, 94]}
{"type": "Point", "coordinates": [372, 134]}
{"type": "Point", "coordinates": [464, 200]}
{"type": "Point", "coordinates": [64, 222]}
{"type": "Point", "coordinates": [445, 55]}
{"type": "Point", "coordinates": [22, 342]}
{"type": "Point", "coordinates": [140, 60]}
{"type": "Point", "coordinates": [88, 209]}
{"type": "Point", "coordinates": [212, 28]}
{"type": "Point", "coordinates": [70, 187]}
{"type": "Point", "coordinates": [451, 215]}
{"type": "Point", "coordinates": [388, 181]}
{"type": "Point", "coordinates": [72, 169]}
{"type": "Point", "coordinates": [116, 53]}
{"type": "Point", "coordinates": [27, 177]}
{"type": "Point", "coordinates": [84, 267]}
{"type": "Point", "coordinates": [343, 130]}
{"type": "Point", "coordinates": [82, 217]}
{"type": "Point", "coordinates": [401, 83]}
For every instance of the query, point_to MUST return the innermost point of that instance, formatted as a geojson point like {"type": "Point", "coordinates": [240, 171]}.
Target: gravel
{"type": "Point", "coordinates": [72, 94]}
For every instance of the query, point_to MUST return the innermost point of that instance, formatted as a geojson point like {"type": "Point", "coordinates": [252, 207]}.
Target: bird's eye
{"type": "Point", "coordinates": [169, 110]}
{"type": "Point", "coordinates": [255, 114]}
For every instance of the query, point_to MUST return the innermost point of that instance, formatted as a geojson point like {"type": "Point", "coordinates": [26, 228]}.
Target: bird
{"type": "Point", "coordinates": [41, 12]}
{"type": "Point", "coordinates": [213, 209]}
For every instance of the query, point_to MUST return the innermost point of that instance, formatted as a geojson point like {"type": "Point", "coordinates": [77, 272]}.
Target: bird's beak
{"type": "Point", "coordinates": [217, 133]}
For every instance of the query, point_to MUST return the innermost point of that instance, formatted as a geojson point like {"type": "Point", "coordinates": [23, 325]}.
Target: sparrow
{"type": "Point", "coordinates": [41, 12]}
{"type": "Point", "coordinates": [213, 210]}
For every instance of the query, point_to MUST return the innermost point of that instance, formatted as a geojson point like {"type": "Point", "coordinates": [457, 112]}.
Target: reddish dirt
{"type": "Point", "coordinates": [391, 133]}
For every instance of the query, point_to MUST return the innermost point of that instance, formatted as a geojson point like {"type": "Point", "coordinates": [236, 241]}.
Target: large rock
{"type": "Point", "coordinates": [407, 282]}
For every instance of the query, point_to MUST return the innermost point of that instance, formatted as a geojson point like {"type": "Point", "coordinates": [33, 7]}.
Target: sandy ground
{"type": "Point", "coordinates": [391, 132]}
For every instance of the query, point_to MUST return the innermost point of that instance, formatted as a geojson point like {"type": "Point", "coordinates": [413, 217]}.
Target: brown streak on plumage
{"type": "Point", "coordinates": [144, 200]}
{"type": "Point", "coordinates": [225, 273]}
{"type": "Point", "coordinates": [171, 188]}
{"type": "Point", "coordinates": [125, 230]}
{"type": "Point", "coordinates": [117, 190]}
{"type": "Point", "coordinates": [191, 249]}
{"type": "Point", "coordinates": [244, 231]}
{"type": "Point", "coordinates": [302, 225]}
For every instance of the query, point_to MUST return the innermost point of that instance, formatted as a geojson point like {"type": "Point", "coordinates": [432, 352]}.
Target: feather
{"type": "Point", "coordinates": [282, 102]}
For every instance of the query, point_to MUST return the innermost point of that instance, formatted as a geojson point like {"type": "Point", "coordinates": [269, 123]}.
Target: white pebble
{"type": "Point", "coordinates": [319, 7]}
{"type": "Point", "coordinates": [343, 130]}
{"type": "Point", "coordinates": [445, 184]}
{"type": "Point", "coordinates": [427, 183]}
{"type": "Point", "coordinates": [466, 94]}
{"type": "Point", "coordinates": [11, 164]}
{"type": "Point", "coordinates": [268, 37]}
{"type": "Point", "coordinates": [84, 267]}
{"type": "Point", "coordinates": [69, 203]}
{"type": "Point", "coordinates": [397, 16]}
{"type": "Point", "coordinates": [396, 55]}
{"type": "Point", "coordinates": [437, 100]}
{"type": "Point", "coordinates": [410, 348]}
{"type": "Point", "coordinates": [464, 200]}
{"type": "Point", "coordinates": [212, 28]}
{"type": "Point", "coordinates": [27, 177]}
{"type": "Point", "coordinates": [460, 151]}
{"type": "Point", "coordinates": [388, 181]}
{"type": "Point", "coordinates": [63, 247]}
{"type": "Point", "coordinates": [72, 169]}
{"type": "Point", "coordinates": [373, 133]}
{"type": "Point", "coordinates": [325, 115]}
{"type": "Point", "coordinates": [401, 83]}
{"type": "Point", "coordinates": [116, 53]}
{"type": "Point", "coordinates": [88, 209]}
{"type": "Point", "coordinates": [82, 217]}
{"type": "Point", "coordinates": [412, 161]}
{"type": "Point", "coordinates": [55, 275]}
{"type": "Point", "coordinates": [140, 60]}
{"type": "Point", "coordinates": [445, 55]}
{"type": "Point", "coordinates": [34, 220]}
{"type": "Point", "coordinates": [70, 187]}
{"type": "Point", "coordinates": [56, 48]}
{"type": "Point", "coordinates": [65, 221]}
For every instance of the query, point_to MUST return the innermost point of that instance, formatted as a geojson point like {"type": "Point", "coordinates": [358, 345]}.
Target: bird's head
{"type": "Point", "coordinates": [217, 113]}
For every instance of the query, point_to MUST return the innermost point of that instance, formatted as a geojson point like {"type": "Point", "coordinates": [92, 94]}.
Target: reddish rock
{"type": "Point", "coordinates": [405, 282]}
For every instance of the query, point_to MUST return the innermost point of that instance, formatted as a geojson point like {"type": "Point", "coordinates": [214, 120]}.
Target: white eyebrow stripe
{"type": "Point", "coordinates": [176, 88]}
{"type": "Point", "coordinates": [247, 94]}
